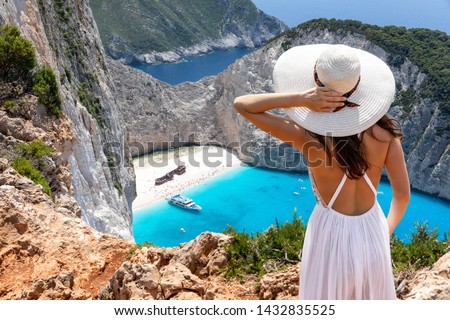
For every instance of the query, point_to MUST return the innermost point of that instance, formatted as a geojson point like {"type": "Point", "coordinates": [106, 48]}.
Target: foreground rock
{"type": "Point", "coordinates": [432, 284]}
{"type": "Point", "coordinates": [193, 272]}
{"type": "Point", "coordinates": [47, 252]}
{"type": "Point", "coordinates": [282, 285]}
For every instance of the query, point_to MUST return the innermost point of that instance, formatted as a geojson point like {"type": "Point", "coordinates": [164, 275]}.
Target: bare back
{"type": "Point", "coordinates": [356, 196]}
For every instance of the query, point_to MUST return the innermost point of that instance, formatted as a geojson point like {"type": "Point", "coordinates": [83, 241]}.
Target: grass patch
{"type": "Point", "coordinates": [34, 150]}
{"type": "Point", "coordinates": [11, 107]}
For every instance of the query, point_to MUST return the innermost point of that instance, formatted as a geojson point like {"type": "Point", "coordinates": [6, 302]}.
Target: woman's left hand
{"type": "Point", "coordinates": [323, 99]}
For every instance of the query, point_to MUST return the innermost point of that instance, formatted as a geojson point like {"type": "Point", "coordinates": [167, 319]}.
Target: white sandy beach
{"type": "Point", "coordinates": [201, 164]}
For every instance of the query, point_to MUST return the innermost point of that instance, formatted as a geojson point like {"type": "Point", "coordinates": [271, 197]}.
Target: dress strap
{"type": "Point", "coordinates": [315, 189]}
{"type": "Point", "coordinates": [366, 177]}
{"type": "Point", "coordinates": [338, 189]}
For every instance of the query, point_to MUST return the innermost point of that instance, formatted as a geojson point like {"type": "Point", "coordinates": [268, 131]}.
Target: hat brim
{"type": "Point", "coordinates": [294, 72]}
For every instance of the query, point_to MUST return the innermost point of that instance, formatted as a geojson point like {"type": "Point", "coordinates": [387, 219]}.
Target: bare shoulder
{"type": "Point", "coordinates": [380, 134]}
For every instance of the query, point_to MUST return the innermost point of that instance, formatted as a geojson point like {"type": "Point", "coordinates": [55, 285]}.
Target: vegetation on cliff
{"type": "Point", "coordinates": [281, 245]}
{"type": "Point", "coordinates": [91, 102]}
{"type": "Point", "coordinates": [46, 89]}
{"type": "Point", "coordinates": [266, 251]}
{"type": "Point", "coordinates": [18, 66]}
{"type": "Point", "coordinates": [29, 161]}
{"type": "Point", "coordinates": [20, 75]}
{"type": "Point", "coordinates": [17, 57]}
{"type": "Point", "coordinates": [428, 49]}
{"type": "Point", "coordinates": [145, 26]}
{"type": "Point", "coordinates": [422, 251]}
{"type": "Point", "coordinates": [76, 52]}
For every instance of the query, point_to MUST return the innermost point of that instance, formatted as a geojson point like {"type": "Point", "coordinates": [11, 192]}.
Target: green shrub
{"type": "Point", "coordinates": [25, 167]}
{"type": "Point", "coordinates": [423, 250]}
{"type": "Point", "coordinates": [28, 159]}
{"type": "Point", "coordinates": [11, 107]}
{"type": "Point", "coordinates": [46, 89]}
{"type": "Point", "coordinates": [91, 102]}
{"type": "Point", "coordinates": [17, 59]}
{"type": "Point", "coordinates": [17, 56]}
{"type": "Point", "coordinates": [63, 10]}
{"type": "Point", "coordinates": [266, 251]}
{"type": "Point", "coordinates": [407, 99]}
{"type": "Point", "coordinates": [34, 150]}
{"type": "Point", "coordinates": [68, 73]}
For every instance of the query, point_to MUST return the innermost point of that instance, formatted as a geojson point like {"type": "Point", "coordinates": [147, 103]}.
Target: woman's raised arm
{"type": "Point", "coordinates": [254, 107]}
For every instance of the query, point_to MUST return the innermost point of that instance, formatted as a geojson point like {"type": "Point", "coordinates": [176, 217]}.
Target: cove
{"type": "Point", "coordinates": [251, 199]}
{"type": "Point", "coordinates": [193, 68]}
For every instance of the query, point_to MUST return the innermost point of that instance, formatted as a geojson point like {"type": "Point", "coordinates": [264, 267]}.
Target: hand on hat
{"type": "Point", "coordinates": [323, 99]}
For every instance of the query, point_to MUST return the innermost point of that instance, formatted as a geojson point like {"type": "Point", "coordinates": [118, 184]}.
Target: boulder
{"type": "Point", "coordinates": [204, 255]}
{"type": "Point", "coordinates": [432, 284]}
{"type": "Point", "coordinates": [282, 285]}
{"type": "Point", "coordinates": [176, 278]}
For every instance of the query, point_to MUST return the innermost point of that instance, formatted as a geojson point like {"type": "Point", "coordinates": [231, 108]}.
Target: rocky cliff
{"type": "Point", "coordinates": [153, 31]}
{"type": "Point", "coordinates": [92, 171]}
{"type": "Point", "coordinates": [202, 112]}
{"type": "Point", "coordinates": [192, 272]}
{"type": "Point", "coordinates": [46, 252]}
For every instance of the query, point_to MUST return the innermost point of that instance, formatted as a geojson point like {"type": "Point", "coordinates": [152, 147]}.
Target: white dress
{"type": "Point", "coordinates": [346, 257]}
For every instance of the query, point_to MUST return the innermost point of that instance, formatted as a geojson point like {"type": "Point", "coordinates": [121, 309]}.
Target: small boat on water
{"type": "Point", "coordinates": [184, 202]}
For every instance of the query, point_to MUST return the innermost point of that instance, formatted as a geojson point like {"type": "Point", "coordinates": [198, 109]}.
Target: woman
{"type": "Point", "coordinates": [337, 98]}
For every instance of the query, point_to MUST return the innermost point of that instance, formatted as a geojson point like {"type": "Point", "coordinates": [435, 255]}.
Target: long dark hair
{"type": "Point", "coordinates": [350, 151]}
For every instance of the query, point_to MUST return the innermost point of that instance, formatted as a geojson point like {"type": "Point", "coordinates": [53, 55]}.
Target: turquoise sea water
{"type": "Point", "coordinates": [193, 68]}
{"type": "Point", "coordinates": [251, 199]}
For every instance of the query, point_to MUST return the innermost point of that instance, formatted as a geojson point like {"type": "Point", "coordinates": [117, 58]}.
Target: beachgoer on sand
{"type": "Point", "coordinates": [337, 98]}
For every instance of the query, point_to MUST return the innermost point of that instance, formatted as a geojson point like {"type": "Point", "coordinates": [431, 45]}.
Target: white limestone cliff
{"type": "Point", "coordinates": [103, 187]}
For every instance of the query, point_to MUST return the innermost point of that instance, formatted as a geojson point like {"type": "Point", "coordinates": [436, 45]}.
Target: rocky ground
{"type": "Point", "coordinates": [46, 252]}
{"type": "Point", "coordinates": [193, 272]}
{"type": "Point", "coordinates": [431, 284]}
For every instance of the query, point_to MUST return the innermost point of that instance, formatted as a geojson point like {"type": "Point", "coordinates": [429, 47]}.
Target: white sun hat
{"type": "Point", "coordinates": [366, 80]}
